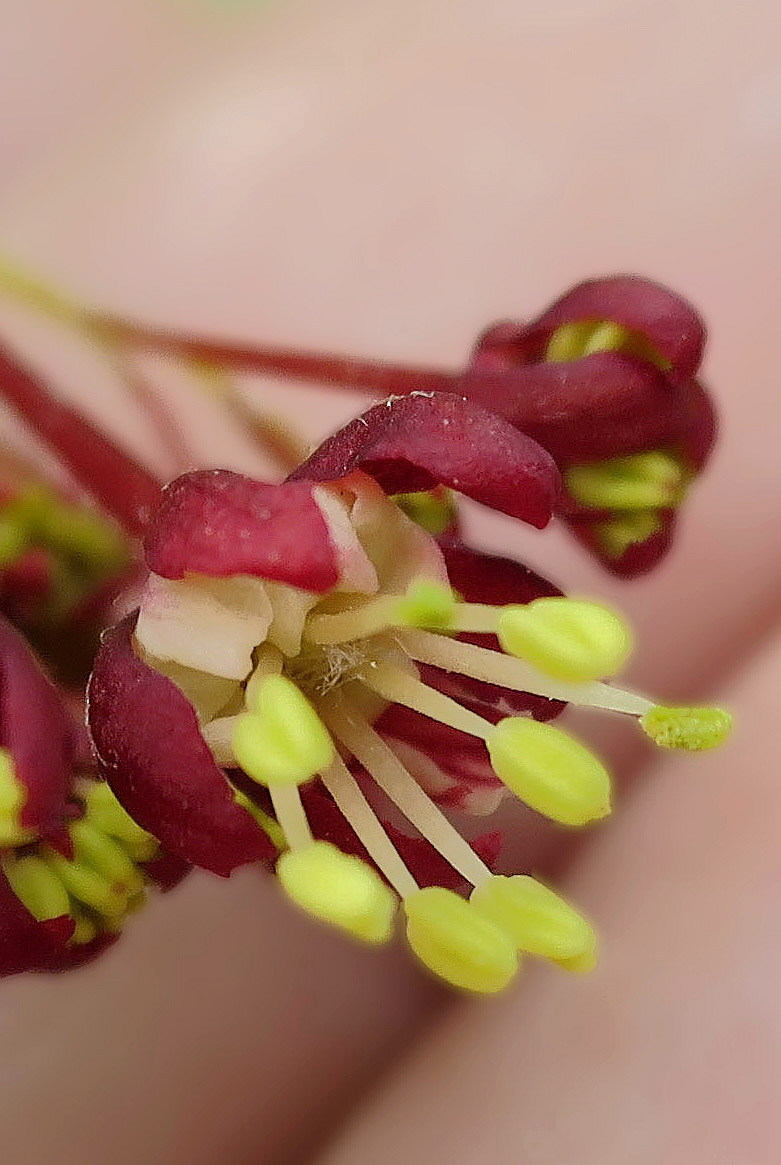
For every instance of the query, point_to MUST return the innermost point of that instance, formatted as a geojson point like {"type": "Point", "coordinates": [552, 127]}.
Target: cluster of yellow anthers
{"type": "Point", "coordinates": [302, 718]}
{"type": "Point", "coordinates": [635, 488]}
{"type": "Point", "coordinates": [101, 884]}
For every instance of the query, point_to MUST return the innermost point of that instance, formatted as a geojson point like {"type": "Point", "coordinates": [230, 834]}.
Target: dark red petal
{"type": "Point", "coordinates": [151, 752]}
{"type": "Point", "coordinates": [418, 441]}
{"type": "Point", "coordinates": [671, 323]}
{"type": "Point", "coordinates": [426, 865]}
{"type": "Point", "coordinates": [219, 523]}
{"type": "Point", "coordinates": [167, 871]}
{"type": "Point", "coordinates": [25, 943]}
{"type": "Point", "coordinates": [605, 405]}
{"type": "Point", "coordinates": [489, 578]}
{"type": "Point", "coordinates": [36, 730]}
{"type": "Point", "coordinates": [640, 558]}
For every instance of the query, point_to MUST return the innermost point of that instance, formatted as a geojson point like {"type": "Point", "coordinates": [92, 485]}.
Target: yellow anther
{"type": "Point", "coordinates": [12, 798]}
{"type": "Point", "coordinates": [458, 942]}
{"type": "Point", "coordinates": [549, 770]}
{"type": "Point", "coordinates": [12, 792]}
{"type": "Point", "coordinates": [13, 537]}
{"type": "Point", "coordinates": [426, 604]}
{"type": "Point", "coordinates": [38, 887]}
{"type": "Point", "coordinates": [640, 481]}
{"type": "Point", "coordinates": [584, 962]}
{"type": "Point", "coordinates": [106, 857]}
{"type": "Point", "coordinates": [689, 729]}
{"type": "Point", "coordinates": [569, 341]}
{"type": "Point", "coordinates": [106, 813]}
{"type": "Point", "coordinates": [607, 336]}
{"type": "Point", "coordinates": [618, 534]}
{"type": "Point", "coordinates": [281, 740]}
{"type": "Point", "coordinates": [433, 510]}
{"type": "Point", "coordinates": [339, 889]}
{"type": "Point", "coordinates": [540, 922]}
{"type": "Point", "coordinates": [85, 930]}
{"type": "Point", "coordinates": [567, 638]}
{"type": "Point", "coordinates": [87, 886]}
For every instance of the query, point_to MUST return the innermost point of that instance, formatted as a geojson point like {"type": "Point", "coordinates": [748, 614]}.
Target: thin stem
{"type": "Point", "coordinates": [386, 769]}
{"type": "Point", "coordinates": [124, 488]}
{"type": "Point", "coordinates": [493, 667]}
{"type": "Point", "coordinates": [347, 794]}
{"type": "Point", "coordinates": [398, 687]}
{"type": "Point", "coordinates": [286, 800]}
{"type": "Point", "coordinates": [371, 376]}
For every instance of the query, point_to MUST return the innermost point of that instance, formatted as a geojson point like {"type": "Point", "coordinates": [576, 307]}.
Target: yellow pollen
{"type": "Point", "coordinates": [339, 889]}
{"type": "Point", "coordinates": [688, 729]}
{"type": "Point", "coordinates": [540, 922]}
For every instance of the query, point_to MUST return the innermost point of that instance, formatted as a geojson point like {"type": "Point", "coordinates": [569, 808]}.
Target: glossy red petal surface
{"type": "Point", "coordinates": [418, 441]}
{"type": "Point", "coordinates": [219, 523]}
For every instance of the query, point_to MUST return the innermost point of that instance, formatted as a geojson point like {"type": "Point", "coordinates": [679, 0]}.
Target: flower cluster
{"type": "Point", "coordinates": [313, 662]}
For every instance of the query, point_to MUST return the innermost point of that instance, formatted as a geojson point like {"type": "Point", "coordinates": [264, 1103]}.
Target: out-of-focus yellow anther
{"type": "Point", "coordinates": [281, 740]}
{"type": "Point", "coordinates": [12, 791]}
{"type": "Point", "coordinates": [569, 341]}
{"type": "Point", "coordinates": [689, 729]}
{"type": "Point", "coordinates": [85, 930]}
{"type": "Point", "coordinates": [426, 604]}
{"type": "Point", "coordinates": [37, 887]}
{"type": "Point", "coordinates": [584, 962]}
{"type": "Point", "coordinates": [617, 534]}
{"type": "Point", "coordinates": [458, 942]}
{"type": "Point", "coordinates": [106, 813]}
{"type": "Point", "coordinates": [433, 510]}
{"type": "Point", "coordinates": [106, 857]}
{"type": "Point", "coordinates": [607, 336]}
{"type": "Point", "coordinates": [639, 481]}
{"type": "Point", "coordinates": [339, 889]}
{"type": "Point", "coordinates": [87, 886]}
{"type": "Point", "coordinates": [13, 537]}
{"type": "Point", "coordinates": [549, 770]}
{"type": "Point", "coordinates": [567, 638]}
{"type": "Point", "coordinates": [540, 922]}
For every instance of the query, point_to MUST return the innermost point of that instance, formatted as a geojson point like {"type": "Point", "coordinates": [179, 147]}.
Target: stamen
{"type": "Point", "coordinates": [286, 800]}
{"type": "Point", "coordinates": [640, 481]}
{"type": "Point", "coordinates": [618, 534]}
{"type": "Point", "coordinates": [566, 638]}
{"type": "Point", "coordinates": [458, 942]}
{"type": "Point", "coordinates": [347, 794]}
{"type": "Point", "coordinates": [389, 773]}
{"type": "Point", "coordinates": [86, 885]}
{"type": "Point", "coordinates": [481, 663]}
{"type": "Point", "coordinates": [540, 922]}
{"type": "Point", "coordinates": [425, 604]}
{"type": "Point", "coordinates": [106, 857]}
{"type": "Point", "coordinates": [689, 729]}
{"type": "Point", "coordinates": [399, 687]}
{"type": "Point", "coordinates": [339, 889]}
{"type": "Point", "coordinates": [37, 887]}
{"type": "Point", "coordinates": [281, 740]}
{"type": "Point", "coordinates": [550, 770]}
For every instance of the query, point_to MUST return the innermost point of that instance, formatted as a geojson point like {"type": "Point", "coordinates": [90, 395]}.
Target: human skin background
{"type": "Point", "coordinates": [387, 178]}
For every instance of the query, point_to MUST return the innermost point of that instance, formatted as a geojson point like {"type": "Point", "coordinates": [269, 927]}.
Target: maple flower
{"type": "Point", "coordinates": [73, 865]}
{"type": "Point", "coordinates": [300, 652]}
{"type": "Point", "coordinates": [606, 380]}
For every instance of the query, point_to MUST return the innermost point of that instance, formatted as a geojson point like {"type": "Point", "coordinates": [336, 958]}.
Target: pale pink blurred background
{"type": "Point", "coordinates": [385, 177]}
